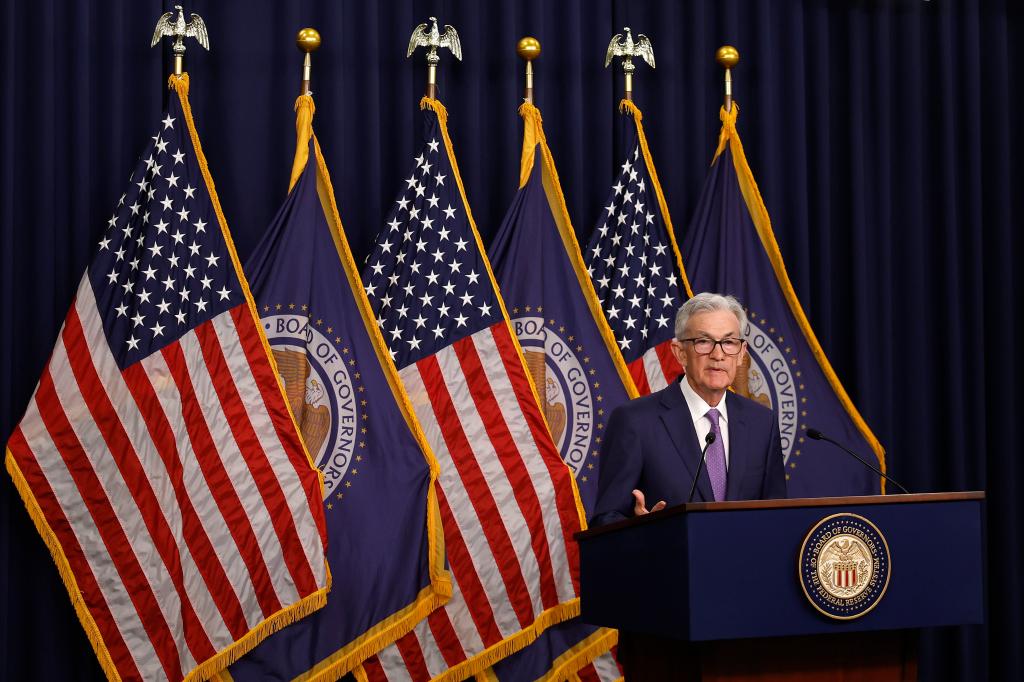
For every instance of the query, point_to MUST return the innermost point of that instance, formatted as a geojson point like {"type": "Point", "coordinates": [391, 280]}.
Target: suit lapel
{"type": "Point", "coordinates": [675, 416]}
{"type": "Point", "coordinates": [739, 447]}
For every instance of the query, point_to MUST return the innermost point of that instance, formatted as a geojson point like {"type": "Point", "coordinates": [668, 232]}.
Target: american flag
{"type": "Point", "coordinates": [508, 506]}
{"type": "Point", "coordinates": [634, 264]}
{"type": "Point", "coordinates": [157, 455]}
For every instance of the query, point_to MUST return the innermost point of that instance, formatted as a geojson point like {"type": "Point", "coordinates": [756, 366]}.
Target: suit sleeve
{"type": "Point", "coordinates": [774, 484]}
{"type": "Point", "coordinates": [621, 467]}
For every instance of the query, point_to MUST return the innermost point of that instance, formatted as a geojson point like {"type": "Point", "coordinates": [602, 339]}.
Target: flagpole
{"type": "Point", "coordinates": [528, 49]}
{"type": "Point", "coordinates": [308, 41]}
{"type": "Point", "coordinates": [728, 56]}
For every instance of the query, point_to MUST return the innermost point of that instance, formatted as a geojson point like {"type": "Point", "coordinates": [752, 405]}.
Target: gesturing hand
{"type": "Point", "coordinates": [640, 508]}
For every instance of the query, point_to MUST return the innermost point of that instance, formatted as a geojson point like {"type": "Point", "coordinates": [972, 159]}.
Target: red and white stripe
{"type": "Point", "coordinates": [655, 369]}
{"type": "Point", "coordinates": [177, 489]}
{"type": "Point", "coordinates": [507, 505]}
{"type": "Point", "coordinates": [604, 668]}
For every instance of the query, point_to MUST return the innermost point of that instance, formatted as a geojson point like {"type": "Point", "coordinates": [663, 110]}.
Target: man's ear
{"type": "Point", "coordinates": [678, 353]}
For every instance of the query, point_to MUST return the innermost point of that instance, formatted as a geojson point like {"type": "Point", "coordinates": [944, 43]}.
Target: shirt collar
{"type": "Point", "coordinates": [698, 407]}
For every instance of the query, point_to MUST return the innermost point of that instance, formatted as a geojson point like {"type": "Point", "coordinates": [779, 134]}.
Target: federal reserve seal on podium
{"type": "Point", "coordinates": [844, 566]}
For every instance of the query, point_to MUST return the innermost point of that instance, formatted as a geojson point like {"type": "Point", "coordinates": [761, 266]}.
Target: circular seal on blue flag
{"type": "Point", "coordinates": [844, 566]}
{"type": "Point", "coordinates": [555, 360]}
{"type": "Point", "coordinates": [323, 394]}
{"type": "Point", "coordinates": [768, 375]}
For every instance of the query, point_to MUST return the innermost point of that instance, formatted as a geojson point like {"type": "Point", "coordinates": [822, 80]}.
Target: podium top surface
{"type": "Point", "coordinates": [739, 505]}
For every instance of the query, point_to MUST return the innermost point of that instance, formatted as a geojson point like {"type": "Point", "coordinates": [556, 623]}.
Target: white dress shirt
{"type": "Point", "coordinates": [701, 422]}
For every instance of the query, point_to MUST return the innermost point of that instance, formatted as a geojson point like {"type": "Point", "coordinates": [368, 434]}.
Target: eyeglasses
{"type": "Point", "coordinates": [705, 346]}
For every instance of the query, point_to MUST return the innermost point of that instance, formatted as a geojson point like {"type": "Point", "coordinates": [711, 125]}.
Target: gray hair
{"type": "Point", "coordinates": [707, 302]}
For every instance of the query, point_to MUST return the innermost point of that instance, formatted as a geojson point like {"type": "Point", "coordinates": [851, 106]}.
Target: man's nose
{"type": "Point", "coordinates": [716, 352]}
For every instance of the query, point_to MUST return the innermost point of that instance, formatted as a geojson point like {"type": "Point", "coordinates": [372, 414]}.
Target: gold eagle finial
{"type": "Point", "coordinates": [627, 49]}
{"type": "Point", "coordinates": [175, 27]}
{"type": "Point", "coordinates": [434, 39]}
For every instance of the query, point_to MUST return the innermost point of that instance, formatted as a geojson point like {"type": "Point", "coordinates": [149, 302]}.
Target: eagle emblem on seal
{"type": "Point", "coordinates": [304, 395]}
{"type": "Point", "coordinates": [554, 409]}
{"type": "Point", "coordinates": [750, 382]}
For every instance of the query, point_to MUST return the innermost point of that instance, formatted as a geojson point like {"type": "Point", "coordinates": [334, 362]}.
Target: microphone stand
{"type": "Point", "coordinates": [815, 434]}
{"type": "Point", "coordinates": [708, 440]}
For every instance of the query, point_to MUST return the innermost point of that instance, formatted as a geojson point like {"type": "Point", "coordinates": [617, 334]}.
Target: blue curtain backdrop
{"type": "Point", "coordinates": [879, 131]}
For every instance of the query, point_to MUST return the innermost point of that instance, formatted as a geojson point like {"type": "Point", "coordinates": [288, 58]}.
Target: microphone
{"type": "Point", "coordinates": [815, 434]}
{"type": "Point", "coordinates": [708, 440]}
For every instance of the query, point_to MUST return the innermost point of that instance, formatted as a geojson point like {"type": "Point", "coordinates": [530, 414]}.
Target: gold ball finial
{"type": "Point", "coordinates": [728, 56]}
{"type": "Point", "coordinates": [308, 40]}
{"type": "Point", "coordinates": [528, 48]}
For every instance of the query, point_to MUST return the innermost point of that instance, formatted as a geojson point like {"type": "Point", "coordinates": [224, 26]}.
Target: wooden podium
{"type": "Point", "coordinates": [713, 591]}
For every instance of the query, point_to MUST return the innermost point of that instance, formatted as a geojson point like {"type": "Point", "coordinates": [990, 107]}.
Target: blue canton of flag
{"type": "Point", "coordinates": [162, 267]}
{"type": "Point", "coordinates": [633, 263]}
{"type": "Point", "coordinates": [426, 279]}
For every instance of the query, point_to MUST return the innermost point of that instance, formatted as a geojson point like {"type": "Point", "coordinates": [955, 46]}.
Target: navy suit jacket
{"type": "Point", "coordinates": [650, 445]}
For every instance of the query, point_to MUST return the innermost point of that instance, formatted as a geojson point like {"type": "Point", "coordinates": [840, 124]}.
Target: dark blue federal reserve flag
{"type": "Point", "coordinates": [384, 541]}
{"type": "Point", "coordinates": [575, 363]}
{"type": "Point", "coordinates": [730, 248]}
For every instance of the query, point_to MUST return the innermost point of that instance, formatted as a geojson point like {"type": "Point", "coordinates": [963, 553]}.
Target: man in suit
{"type": "Point", "coordinates": [653, 444]}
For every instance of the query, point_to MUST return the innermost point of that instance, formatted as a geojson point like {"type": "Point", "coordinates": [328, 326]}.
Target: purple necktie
{"type": "Point", "coordinates": [716, 457]}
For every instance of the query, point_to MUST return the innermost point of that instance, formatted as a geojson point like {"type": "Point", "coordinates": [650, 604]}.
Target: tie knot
{"type": "Point", "coordinates": [713, 415]}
